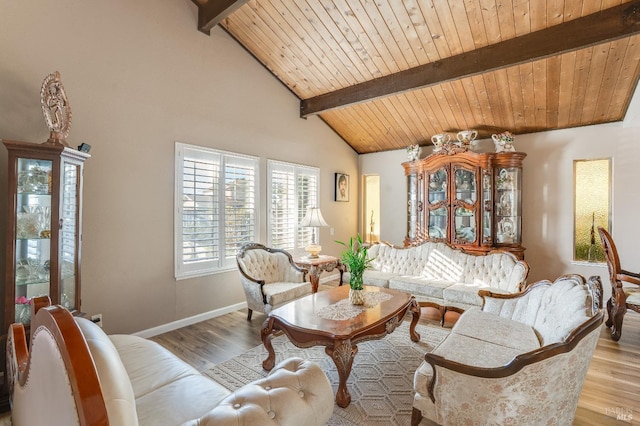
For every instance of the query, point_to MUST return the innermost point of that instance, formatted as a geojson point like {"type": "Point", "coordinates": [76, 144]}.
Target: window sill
{"type": "Point", "coordinates": [198, 274]}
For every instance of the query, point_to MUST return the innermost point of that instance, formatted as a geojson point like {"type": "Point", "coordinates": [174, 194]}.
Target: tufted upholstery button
{"type": "Point", "coordinates": [271, 414]}
{"type": "Point", "coordinates": [301, 394]}
{"type": "Point", "coordinates": [267, 387]}
{"type": "Point", "coordinates": [236, 405]}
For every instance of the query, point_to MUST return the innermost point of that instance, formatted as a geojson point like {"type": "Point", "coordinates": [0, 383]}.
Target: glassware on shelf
{"type": "Point", "coordinates": [35, 180]}
{"type": "Point", "coordinates": [466, 233]}
{"type": "Point", "coordinates": [465, 181]}
{"type": "Point", "coordinates": [22, 310]}
{"type": "Point", "coordinates": [44, 216]}
{"type": "Point", "coordinates": [505, 179]}
{"type": "Point", "coordinates": [436, 232]}
{"type": "Point", "coordinates": [505, 206]}
{"type": "Point", "coordinates": [23, 313]}
{"type": "Point", "coordinates": [506, 231]}
{"type": "Point", "coordinates": [26, 182]}
{"type": "Point", "coordinates": [30, 209]}
{"type": "Point", "coordinates": [31, 271]}
{"type": "Point", "coordinates": [27, 225]}
{"type": "Point", "coordinates": [22, 271]}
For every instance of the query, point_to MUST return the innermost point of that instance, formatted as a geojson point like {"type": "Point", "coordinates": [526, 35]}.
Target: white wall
{"type": "Point", "coordinates": [139, 76]}
{"type": "Point", "coordinates": [548, 194]}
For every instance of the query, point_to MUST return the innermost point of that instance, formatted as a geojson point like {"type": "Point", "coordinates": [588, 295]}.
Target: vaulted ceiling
{"type": "Point", "coordinates": [385, 74]}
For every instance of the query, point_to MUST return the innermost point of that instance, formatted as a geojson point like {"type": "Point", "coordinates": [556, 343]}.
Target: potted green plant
{"type": "Point", "coordinates": [356, 260]}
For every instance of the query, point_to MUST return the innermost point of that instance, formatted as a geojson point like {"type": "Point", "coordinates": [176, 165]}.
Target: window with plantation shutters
{"type": "Point", "coordinates": [216, 208]}
{"type": "Point", "coordinates": [291, 189]}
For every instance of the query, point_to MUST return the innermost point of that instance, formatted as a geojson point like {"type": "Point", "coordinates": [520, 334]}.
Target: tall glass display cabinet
{"type": "Point", "coordinates": [44, 227]}
{"type": "Point", "coordinates": [467, 199]}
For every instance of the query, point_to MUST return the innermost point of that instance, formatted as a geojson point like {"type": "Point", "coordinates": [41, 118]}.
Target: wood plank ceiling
{"type": "Point", "coordinates": [385, 74]}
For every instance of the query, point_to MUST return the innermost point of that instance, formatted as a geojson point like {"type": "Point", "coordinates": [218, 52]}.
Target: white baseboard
{"type": "Point", "coordinates": [150, 332]}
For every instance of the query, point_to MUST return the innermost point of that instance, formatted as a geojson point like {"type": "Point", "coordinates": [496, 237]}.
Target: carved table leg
{"type": "Point", "coordinates": [415, 311]}
{"type": "Point", "coordinates": [343, 354]}
{"type": "Point", "coordinates": [314, 278]}
{"type": "Point", "coordinates": [266, 335]}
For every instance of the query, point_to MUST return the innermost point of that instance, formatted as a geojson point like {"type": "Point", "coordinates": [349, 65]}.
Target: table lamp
{"type": "Point", "coordinates": [313, 219]}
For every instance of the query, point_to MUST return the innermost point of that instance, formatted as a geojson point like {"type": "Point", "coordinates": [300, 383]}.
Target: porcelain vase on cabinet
{"type": "Point", "coordinates": [467, 138]}
{"type": "Point", "coordinates": [440, 140]}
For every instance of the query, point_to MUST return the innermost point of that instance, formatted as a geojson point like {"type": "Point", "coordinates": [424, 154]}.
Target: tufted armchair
{"type": "Point", "coordinates": [269, 277]}
{"type": "Point", "coordinates": [520, 359]}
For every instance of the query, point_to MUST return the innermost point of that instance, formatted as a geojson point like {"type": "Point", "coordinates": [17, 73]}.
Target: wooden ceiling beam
{"type": "Point", "coordinates": [608, 25]}
{"type": "Point", "coordinates": [213, 11]}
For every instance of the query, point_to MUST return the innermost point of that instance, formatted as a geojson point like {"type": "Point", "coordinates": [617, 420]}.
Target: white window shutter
{"type": "Point", "coordinates": [292, 188]}
{"type": "Point", "coordinates": [216, 208]}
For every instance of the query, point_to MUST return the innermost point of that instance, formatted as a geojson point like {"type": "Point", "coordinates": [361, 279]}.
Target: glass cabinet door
{"type": "Point", "coordinates": [438, 212]}
{"type": "Point", "coordinates": [412, 206]}
{"type": "Point", "coordinates": [33, 234]}
{"type": "Point", "coordinates": [465, 205]}
{"type": "Point", "coordinates": [68, 254]}
{"type": "Point", "coordinates": [508, 205]}
{"type": "Point", "coordinates": [487, 214]}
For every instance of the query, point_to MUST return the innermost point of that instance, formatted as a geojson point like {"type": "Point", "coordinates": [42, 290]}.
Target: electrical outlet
{"type": "Point", "coordinates": [97, 319]}
{"type": "Point", "coordinates": [330, 231]}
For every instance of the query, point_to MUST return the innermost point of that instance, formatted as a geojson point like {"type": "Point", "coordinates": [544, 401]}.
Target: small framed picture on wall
{"type": "Point", "coordinates": [342, 187]}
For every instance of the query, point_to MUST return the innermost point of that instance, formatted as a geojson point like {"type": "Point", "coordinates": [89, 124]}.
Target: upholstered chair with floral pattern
{"type": "Point", "coordinates": [269, 277]}
{"type": "Point", "coordinates": [520, 359]}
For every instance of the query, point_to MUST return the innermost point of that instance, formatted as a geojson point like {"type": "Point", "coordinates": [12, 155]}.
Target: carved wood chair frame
{"type": "Point", "coordinates": [617, 305]}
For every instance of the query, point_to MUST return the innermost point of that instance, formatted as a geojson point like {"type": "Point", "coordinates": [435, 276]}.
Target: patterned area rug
{"type": "Point", "coordinates": [381, 380]}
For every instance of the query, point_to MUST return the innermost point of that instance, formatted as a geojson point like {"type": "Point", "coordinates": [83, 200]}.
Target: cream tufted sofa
{"type": "Point", "coordinates": [269, 277]}
{"type": "Point", "coordinates": [521, 359]}
{"type": "Point", "coordinates": [439, 274]}
{"type": "Point", "coordinates": [76, 374]}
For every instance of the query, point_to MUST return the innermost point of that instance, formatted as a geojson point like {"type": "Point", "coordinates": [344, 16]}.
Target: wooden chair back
{"type": "Point", "coordinates": [622, 298]}
{"type": "Point", "coordinates": [611, 254]}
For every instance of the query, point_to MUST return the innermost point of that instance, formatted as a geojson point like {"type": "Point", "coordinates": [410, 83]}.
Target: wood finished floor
{"type": "Point", "coordinates": [612, 386]}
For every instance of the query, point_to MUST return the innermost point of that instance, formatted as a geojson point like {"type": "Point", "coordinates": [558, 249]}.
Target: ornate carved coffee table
{"type": "Point", "coordinates": [300, 321]}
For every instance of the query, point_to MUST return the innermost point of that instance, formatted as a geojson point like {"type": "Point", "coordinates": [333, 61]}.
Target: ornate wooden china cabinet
{"type": "Point", "coordinates": [470, 200]}
{"type": "Point", "coordinates": [44, 214]}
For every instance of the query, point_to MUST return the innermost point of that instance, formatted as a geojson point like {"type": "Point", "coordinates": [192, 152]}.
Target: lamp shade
{"type": "Point", "coordinates": [313, 218]}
